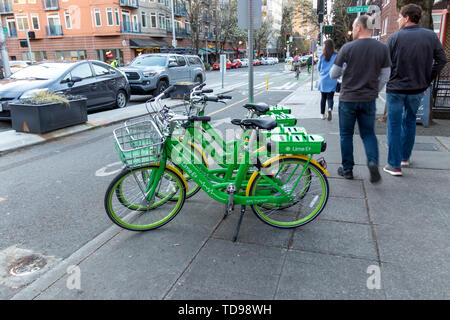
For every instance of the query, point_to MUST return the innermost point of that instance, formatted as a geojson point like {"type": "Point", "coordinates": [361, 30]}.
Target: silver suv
{"type": "Point", "coordinates": [153, 73]}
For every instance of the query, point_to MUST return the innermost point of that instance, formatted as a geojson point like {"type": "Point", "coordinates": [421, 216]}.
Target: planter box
{"type": "Point", "coordinates": [47, 117]}
{"type": "Point", "coordinates": [182, 90]}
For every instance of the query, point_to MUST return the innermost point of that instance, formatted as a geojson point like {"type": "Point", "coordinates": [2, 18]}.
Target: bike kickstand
{"type": "Point", "coordinates": [239, 224]}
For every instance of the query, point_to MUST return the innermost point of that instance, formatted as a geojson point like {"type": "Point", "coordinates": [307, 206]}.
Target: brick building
{"type": "Point", "coordinates": [62, 30]}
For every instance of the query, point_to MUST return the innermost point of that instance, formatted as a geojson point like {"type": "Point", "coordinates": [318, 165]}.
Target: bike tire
{"type": "Point", "coordinates": [313, 189]}
{"type": "Point", "coordinates": [132, 211]}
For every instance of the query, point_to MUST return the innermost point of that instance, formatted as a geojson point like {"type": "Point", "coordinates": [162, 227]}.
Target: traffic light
{"type": "Point", "coordinates": [318, 41]}
{"type": "Point", "coordinates": [288, 38]}
{"type": "Point", "coordinates": [321, 9]}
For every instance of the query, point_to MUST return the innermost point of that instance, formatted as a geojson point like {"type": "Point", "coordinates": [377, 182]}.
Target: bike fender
{"type": "Point", "coordinates": [278, 158]}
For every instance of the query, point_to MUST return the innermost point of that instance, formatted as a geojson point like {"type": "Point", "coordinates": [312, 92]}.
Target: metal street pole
{"type": "Point", "coordinates": [174, 39]}
{"type": "Point", "coordinates": [250, 51]}
{"type": "Point", "coordinates": [4, 52]}
{"type": "Point", "coordinates": [29, 47]}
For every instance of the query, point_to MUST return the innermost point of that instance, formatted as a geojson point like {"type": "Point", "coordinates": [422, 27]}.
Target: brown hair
{"type": "Point", "coordinates": [328, 49]}
{"type": "Point", "coordinates": [413, 11]}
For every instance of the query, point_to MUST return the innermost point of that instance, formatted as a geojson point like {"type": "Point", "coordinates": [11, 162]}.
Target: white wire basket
{"type": "Point", "coordinates": [139, 143]}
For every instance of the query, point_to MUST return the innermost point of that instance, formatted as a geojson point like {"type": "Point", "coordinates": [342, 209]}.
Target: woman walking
{"type": "Point", "coordinates": [327, 86]}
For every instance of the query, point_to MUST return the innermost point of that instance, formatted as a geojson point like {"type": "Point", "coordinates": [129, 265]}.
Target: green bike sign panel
{"type": "Point", "coordinates": [357, 9]}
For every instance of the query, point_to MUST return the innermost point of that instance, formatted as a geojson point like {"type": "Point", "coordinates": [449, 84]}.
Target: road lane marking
{"type": "Point", "coordinates": [232, 105]}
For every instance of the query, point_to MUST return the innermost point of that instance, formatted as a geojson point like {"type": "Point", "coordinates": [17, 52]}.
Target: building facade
{"type": "Point", "coordinates": [273, 10]}
{"type": "Point", "coordinates": [64, 30]}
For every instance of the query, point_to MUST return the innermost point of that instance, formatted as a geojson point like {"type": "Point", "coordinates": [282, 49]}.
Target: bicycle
{"type": "Point", "coordinates": [286, 191]}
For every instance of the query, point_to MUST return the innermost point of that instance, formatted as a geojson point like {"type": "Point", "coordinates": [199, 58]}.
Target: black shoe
{"type": "Point", "coordinates": [374, 173]}
{"type": "Point", "coordinates": [347, 174]}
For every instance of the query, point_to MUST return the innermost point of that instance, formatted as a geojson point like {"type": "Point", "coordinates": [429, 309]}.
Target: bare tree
{"type": "Point", "coordinates": [193, 15]}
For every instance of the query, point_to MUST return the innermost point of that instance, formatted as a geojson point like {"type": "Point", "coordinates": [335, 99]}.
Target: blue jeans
{"type": "Point", "coordinates": [401, 134]}
{"type": "Point", "coordinates": [364, 114]}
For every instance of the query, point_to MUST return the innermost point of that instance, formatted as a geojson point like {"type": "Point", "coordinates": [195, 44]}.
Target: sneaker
{"type": "Point", "coordinates": [393, 171]}
{"type": "Point", "coordinates": [329, 114]}
{"type": "Point", "coordinates": [406, 163]}
{"type": "Point", "coordinates": [374, 173]}
{"type": "Point", "coordinates": [347, 174]}
{"type": "Point", "coordinates": [322, 116]}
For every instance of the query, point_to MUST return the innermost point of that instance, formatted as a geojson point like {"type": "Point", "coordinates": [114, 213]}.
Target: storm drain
{"type": "Point", "coordinates": [19, 267]}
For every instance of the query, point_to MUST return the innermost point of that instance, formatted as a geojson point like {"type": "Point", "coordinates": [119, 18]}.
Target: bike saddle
{"type": "Point", "coordinates": [266, 124]}
{"type": "Point", "coordinates": [258, 108]}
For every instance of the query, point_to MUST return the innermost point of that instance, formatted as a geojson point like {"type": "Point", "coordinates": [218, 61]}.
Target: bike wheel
{"type": "Point", "coordinates": [126, 200]}
{"type": "Point", "coordinates": [310, 193]}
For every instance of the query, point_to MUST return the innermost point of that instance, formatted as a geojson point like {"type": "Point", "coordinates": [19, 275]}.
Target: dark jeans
{"type": "Point", "coordinates": [364, 113]}
{"type": "Point", "coordinates": [326, 97]}
{"type": "Point", "coordinates": [401, 134]}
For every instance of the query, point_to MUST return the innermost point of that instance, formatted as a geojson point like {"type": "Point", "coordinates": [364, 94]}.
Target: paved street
{"type": "Point", "coordinates": [51, 208]}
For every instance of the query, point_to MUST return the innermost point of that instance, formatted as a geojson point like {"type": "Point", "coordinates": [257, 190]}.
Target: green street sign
{"type": "Point", "coordinates": [357, 9]}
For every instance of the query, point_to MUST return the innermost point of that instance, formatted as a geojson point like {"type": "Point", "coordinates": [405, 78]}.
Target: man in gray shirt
{"type": "Point", "coordinates": [365, 68]}
{"type": "Point", "coordinates": [417, 58]}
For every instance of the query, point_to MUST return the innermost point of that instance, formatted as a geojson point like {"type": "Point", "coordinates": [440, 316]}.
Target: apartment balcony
{"type": "Point", "coordinates": [6, 7]}
{"type": "Point", "coordinates": [181, 33]}
{"type": "Point", "coordinates": [180, 11]}
{"type": "Point", "coordinates": [54, 31]}
{"type": "Point", "coordinates": [129, 3]}
{"type": "Point", "coordinates": [128, 27]}
{"type": "Point", "coordinates": [48, 5]}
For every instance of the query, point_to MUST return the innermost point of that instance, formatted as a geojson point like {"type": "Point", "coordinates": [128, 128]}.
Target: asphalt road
{"type": "Point", "coordinates": [51, 195]}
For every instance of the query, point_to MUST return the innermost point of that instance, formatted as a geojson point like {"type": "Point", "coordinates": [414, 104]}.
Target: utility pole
{"type": "Point", "coordinates": [29, 47]}
{"type": "Point", "coordinates": [174, 39]}
{"type": "Point", "coordinates": [250, 52]}
{"type": "Point", "coordinates": [4, 52]}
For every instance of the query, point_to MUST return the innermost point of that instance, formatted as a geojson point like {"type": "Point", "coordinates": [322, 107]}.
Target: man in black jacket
{"type": "Point", "coordinates": [417, 58]}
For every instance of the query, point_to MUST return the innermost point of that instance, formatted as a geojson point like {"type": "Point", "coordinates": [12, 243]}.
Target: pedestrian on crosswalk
{"type": "Point", "coordinates": [327, 86]}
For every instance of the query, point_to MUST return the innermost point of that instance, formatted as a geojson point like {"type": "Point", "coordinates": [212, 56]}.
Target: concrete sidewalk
{"type": "Point", "coordinates": [385, 241]}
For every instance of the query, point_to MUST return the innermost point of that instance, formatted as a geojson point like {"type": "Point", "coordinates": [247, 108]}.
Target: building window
{"type": "Point", "coordinates": [153, 20]}
{"type": "Point", "coordinates": [22, 22]}
{"type": "Point", "coordinates": [97, 18]}
{"type": "Point", "coordinates": [35, 21]}
{"type": "Point", "coordinates": [116, 12]}
{"type": "Point", "coordinates": [109, 17]}
{"type": "Point", "coordinates": [20, 1]}
{"type": "Point", "coordinates": [70, 55]}
{"type": "Point", "coordinates": [169, 24]}
{"type": "Point", "coordinates": [144, 19]}
{"type": "Point", "coordinates": [35, 56]}
{"type": "Point", "coordinates": [162, 21]}
{"type": "Point", "coordinates": [187, 26]}
{"type": "Point", "coordinates": [68, 20]}
{"type": "Point", "coordinates": [109, 55]}
{"type": "Point", "coordinates": [135, 23]}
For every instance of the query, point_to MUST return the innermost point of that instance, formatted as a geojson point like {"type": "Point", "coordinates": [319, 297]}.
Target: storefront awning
{"type": "Point", "coordinates": [206, 51]}
{"type": "Point", "coordinates": [147, 43]}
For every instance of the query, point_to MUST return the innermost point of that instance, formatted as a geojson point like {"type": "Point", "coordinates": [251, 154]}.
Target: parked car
{"type": "Point", "coordinates": [236, 63]}
{"type": "Point", "coordinates": [153, 73]}
{"type": "Point", "coordinates": [289, 59]}
{"type": "Point", "coordinates": [244, 62]}
{"type": "Point", "coordinates": [256, 62]}
{"type": "Point", "coordinates": [101, 84]}
{"type": "Point", "coordinates": [216, 66]}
